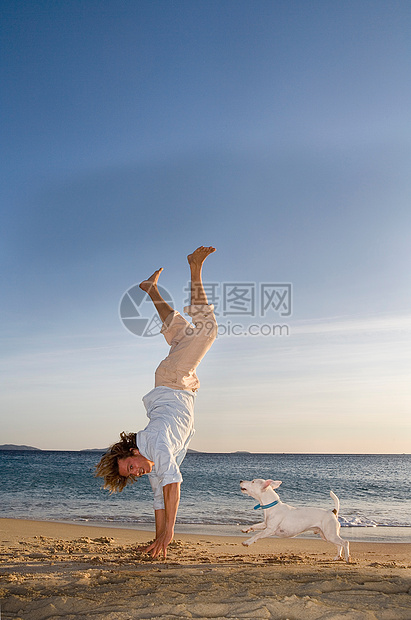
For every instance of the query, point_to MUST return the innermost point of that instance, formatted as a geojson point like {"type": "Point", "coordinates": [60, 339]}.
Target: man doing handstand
{"type": "Point", "coordinates": [160, 448]}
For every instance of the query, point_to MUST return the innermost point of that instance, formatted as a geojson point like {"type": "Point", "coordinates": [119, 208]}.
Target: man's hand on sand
{"type": "Point", "coordinates": [159, 545]}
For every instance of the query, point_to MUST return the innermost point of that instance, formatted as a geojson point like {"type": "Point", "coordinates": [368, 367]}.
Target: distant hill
{"type": "Point", "coordinates": [189, 451]}
{"type": "Point", "coordinates": [12, 446]}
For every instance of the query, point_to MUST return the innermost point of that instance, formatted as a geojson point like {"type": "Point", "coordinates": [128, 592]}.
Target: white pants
{"type": "Point", "coordinates": [189, 343]}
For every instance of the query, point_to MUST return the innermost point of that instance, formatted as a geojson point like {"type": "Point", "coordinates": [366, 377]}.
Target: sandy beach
{"type": "Point", "coordinates": [54, 570]}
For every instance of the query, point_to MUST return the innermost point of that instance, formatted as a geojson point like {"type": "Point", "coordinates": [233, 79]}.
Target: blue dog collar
{"type": "Point", "coordinates": [266, 505]}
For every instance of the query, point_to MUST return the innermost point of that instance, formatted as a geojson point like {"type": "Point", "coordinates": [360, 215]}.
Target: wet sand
{"type": "Point", "coordinates": [56, 570]}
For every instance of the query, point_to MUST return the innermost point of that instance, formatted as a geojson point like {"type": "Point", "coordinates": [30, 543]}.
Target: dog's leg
{"type": "Point", "coordinates": [317, 530]}
{"type": "Point", "coordinates": [340, 544]}
{"type": "Point", "coordinates": [263, 534]}
{"type": "Point", "coordinates": [331, 534]}
{"type": "Point", "coordinates": [346, 546]}
{"type": "Point", "coordinates": [253, 528]}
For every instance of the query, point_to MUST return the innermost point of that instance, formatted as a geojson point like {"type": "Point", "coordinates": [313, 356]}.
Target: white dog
{"type": "Point", "coordinates": [286, 521]}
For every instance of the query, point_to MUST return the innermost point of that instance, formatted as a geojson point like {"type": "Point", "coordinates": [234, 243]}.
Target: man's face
{"type": "Point", "coordinates": [136, 464]}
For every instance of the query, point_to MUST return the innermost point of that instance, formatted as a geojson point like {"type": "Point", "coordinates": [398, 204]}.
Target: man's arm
{"type": "Point", "coordinates": [165, 520]}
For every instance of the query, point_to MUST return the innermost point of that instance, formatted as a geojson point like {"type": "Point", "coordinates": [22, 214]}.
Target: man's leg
{"type": "Point", "coordinates": [196, 260]}
{"type": "Point", "coordinates": [188, 344]}
{"type": "Point", "coordinates": [151, 288]}
{"type": "Point", "coordinates": [198, 295]}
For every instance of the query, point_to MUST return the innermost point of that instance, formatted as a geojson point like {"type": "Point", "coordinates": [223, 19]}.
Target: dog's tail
{"type": "Point", "coordinates": [336, 502]}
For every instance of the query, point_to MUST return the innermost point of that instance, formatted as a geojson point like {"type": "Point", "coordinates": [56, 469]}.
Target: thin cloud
{"type": "Point", "coordinates": [349, 325]}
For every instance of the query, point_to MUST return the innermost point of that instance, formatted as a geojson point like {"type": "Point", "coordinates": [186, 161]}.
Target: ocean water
{"type": "Point", "coordinates": [374, 491]}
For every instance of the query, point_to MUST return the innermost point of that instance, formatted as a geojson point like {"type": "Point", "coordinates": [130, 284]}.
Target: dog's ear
{"type": "Point", "coordinates": [274, 484]}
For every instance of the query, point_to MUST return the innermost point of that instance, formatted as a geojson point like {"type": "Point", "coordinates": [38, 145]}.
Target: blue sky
{"type": "Point", "coordinates": [280, 133]}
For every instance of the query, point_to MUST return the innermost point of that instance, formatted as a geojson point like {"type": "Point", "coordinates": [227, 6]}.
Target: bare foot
{"type": "Point", "coordinates": [199, 255]}
{"type": "Point", "coordinates": [146, 285]}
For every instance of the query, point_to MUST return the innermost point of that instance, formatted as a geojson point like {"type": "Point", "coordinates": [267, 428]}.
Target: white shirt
{"type": "Point", "coordinates": [166, 437]}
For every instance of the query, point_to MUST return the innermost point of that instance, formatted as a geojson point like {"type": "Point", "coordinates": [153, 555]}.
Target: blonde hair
{"type": "Point", "coordinates": [107, 468]}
